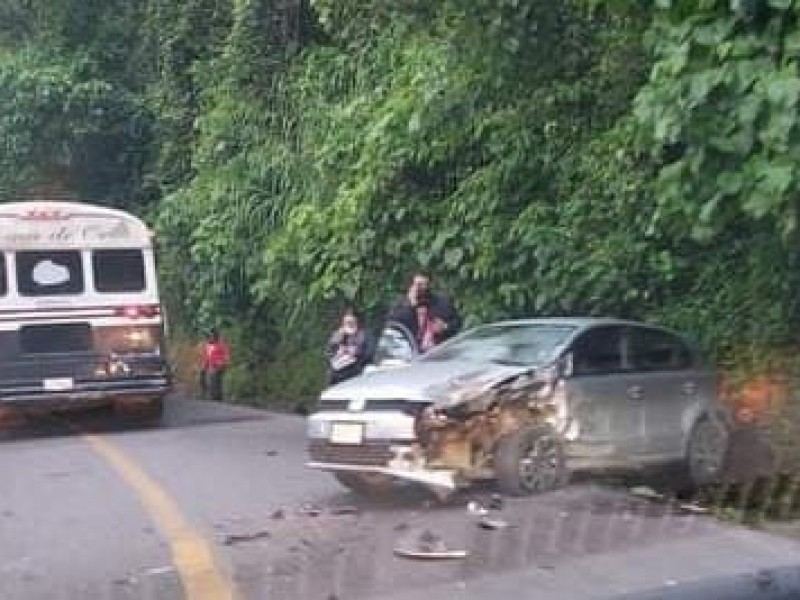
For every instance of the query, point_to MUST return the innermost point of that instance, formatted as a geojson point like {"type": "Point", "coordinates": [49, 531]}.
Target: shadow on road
{"type": "Point", "coordinates": [177, 415]}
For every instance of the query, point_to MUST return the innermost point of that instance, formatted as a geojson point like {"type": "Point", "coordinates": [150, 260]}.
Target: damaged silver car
{"type": "Point", "coordinates": [523, 403]}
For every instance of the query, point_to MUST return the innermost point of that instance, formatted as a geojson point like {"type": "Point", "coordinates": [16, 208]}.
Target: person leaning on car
{"type": "Point", "coordinates": [429, 316]}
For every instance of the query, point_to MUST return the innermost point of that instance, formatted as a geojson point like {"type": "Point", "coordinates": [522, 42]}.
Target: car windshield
{"type": "Point", "coordinates": [511, 344]}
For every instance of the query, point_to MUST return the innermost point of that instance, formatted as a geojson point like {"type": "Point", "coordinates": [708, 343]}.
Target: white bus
{"type": "Point", "coordinates": [80, 317]}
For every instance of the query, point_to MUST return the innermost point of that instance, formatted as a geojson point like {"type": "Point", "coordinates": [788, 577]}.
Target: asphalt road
{"type": "Point", "coordinates": [215, 503]}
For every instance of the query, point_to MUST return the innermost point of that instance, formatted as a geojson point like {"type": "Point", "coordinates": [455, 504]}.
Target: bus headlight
{"type": "Point", "coordinates": [139, 339]}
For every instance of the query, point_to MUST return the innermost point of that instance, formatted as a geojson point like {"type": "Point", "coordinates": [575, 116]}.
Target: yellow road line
{"type": "Point", "coordinates": [191, 555]}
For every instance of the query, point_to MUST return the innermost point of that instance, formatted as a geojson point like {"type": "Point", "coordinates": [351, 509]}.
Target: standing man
{"type": "Point", "coordinates": [429, 316]}
{"type": "Point", "coordinates": [216, 358]}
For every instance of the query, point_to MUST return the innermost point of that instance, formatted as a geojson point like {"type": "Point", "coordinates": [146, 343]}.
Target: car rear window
{"type": "Point", "coordinates": [49, 273]}
{"type": "Point", "coordinates": [3, 276]}
{"type": "Point", "coordinates": [118, 271]}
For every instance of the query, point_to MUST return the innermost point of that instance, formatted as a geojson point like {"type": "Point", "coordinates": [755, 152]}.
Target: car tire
{"type": "Point", "coordinates": [529, 461]}
{"type": "Point", "coordinates": [369, 485]}
{"type": "Point", "coordinates": [706, 453]}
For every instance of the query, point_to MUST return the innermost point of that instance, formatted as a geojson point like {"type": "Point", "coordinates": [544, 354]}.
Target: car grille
{"type": "Point", "coordinates": [408, 407]}
{"type": "Point", "coordinates": [373, 454]}
{"type": "Point", "coordinates": [336, 405]}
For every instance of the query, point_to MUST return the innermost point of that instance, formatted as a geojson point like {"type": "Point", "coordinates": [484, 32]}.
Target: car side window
{"type": "Point", "coordinates": [598, 352]}
{"type": "Point", "coordinates": [656, 350]}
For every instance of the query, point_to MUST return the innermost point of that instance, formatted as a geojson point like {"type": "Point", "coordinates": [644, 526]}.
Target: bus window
{"type": "Point", "coordinates": [49, 273]}
{"type": "Point", "coordinates": [3, 276]}
{"type": "Point", "coordinates": [118, 271]}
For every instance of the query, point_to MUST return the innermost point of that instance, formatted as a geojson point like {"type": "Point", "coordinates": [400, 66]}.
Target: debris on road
{"type": "Point", "coordinates": [694, 508]}
{"type": "Point", "coordinates": [271, 452]}
{"type": "Point", "coordinates": [643, 491]}
{"type": "Point", "coordinates": [649, 493]}
{"type": "Point", "coordinates": [474, 508]}
{"type": "Point", "coordinates": [493, 524]}
{"type": "Point", "coordinates": [310, 510]}
{"type": "Point", "coordinates": [278, 514]}
{"type": "Point", "coordinates": [402, 527]}
{"type": "Point", "coordinates": [339, 511]}
{"type": "Point", "coordinates": [234, 539]}
{"type": "Point", "coordinates": [427, 545]}
{"type": "Point", "coordinates": [160, 570]}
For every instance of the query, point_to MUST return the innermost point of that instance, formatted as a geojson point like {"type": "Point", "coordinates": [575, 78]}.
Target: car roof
{"type": "Point", "coordinates": [580, 323]}
{"type": "Point", "coordinates": [566, 321]}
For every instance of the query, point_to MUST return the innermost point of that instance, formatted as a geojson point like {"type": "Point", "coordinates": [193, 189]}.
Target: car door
{"type": "Point", "coordinates": [608, 408]}
{"type": "Point", "coordinates": [396, 346]}
{"type": "Point", "coordinates": [666, 371]}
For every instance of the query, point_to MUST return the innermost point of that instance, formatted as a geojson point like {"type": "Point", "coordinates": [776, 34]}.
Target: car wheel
{"type": "Point", "coordinates": [371, 485]}
{"type": "Point", "coordinates": [706, 452]}
{"type": "Point", "coordinates": [529, 461]}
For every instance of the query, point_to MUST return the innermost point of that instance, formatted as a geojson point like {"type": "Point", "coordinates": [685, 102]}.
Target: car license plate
{"type": "Point", "coordinates": [59, 384]}
{"type": "Point", "coordinates": [347, 433]}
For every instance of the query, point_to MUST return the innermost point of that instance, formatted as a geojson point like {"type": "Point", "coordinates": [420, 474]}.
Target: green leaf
{"type": "Point", "coordinates": [415, 123]}
{"type": "Point", "coordinates": [780, 4]}
{"type": "Point", "coordinates": [784, 89]}
{"type": "Point", "coordinates": [453, 258]}
{"type": "Point", "coordinates": [730, 183]}
{"type": "Point", "coordinates": [778, 179]}
{"type": "Point", "coordinates": [791, 44]}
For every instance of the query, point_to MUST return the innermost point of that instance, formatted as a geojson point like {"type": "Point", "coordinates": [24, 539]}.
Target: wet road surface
{"type": "Point", "coordinates": [216, 503]}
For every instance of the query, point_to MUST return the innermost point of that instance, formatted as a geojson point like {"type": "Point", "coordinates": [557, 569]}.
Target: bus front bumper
{"type": "Point", "coordinates": [83, 394]}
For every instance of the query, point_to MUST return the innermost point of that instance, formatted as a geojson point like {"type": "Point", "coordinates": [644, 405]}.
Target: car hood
{"type": "Point", "coordinates": [422, 381]}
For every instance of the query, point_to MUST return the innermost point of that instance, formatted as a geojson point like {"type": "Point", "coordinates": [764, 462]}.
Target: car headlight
{"type": "Point", "coordinates": [317, 428]}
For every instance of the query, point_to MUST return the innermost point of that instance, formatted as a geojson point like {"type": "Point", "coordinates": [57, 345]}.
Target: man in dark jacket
{"type": "Point", "coordinates": [429, 316]}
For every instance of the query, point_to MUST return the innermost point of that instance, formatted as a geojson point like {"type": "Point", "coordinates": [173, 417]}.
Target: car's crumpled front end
{"type": "Point", "coordinates": [442, 442]}
{"type": "Point", "coordinates": [380, 438]}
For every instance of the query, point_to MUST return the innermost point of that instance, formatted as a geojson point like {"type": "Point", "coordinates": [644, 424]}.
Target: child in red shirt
{"type": "Point", "coordinates": [216, 358]}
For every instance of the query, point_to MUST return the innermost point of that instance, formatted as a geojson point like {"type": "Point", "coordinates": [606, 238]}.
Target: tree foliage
{"type": "Point", "coordinates": [588, 157]}
{"type": "Point", "coordinates": [721, 109]}
{"type": "Point", "coordinates": [57, 118]}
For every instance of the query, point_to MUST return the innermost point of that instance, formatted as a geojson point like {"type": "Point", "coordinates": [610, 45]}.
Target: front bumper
{"type": "Point", "coordinates": [437, 478]}
{"type": "Point", "coordinates": [390, 447]}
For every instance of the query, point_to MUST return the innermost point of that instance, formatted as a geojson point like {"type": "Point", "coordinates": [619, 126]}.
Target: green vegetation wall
{"type": "Point", "coordinates": [539, 157]}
